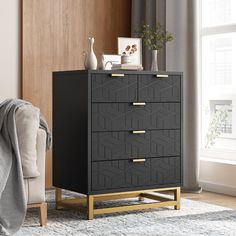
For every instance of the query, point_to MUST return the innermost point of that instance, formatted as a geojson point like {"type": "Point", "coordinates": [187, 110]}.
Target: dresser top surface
{"type": "Point", "coordinates": [133, 72]}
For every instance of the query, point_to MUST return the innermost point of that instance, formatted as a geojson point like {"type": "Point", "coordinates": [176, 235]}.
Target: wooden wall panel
{"type": "Point", "coordinates": [55, 34]}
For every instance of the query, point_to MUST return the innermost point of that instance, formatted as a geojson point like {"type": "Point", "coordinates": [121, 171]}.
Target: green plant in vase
{"type": "Point", "coordinates": [155, 39]}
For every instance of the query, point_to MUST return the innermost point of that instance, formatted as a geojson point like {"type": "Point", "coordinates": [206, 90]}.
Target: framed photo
{"type": "Point", "coordinates": [132, 47]}
{"type": "Point", "coordinates": [109, 60]}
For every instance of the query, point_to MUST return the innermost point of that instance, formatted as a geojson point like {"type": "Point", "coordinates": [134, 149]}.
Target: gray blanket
{"type": "Point", "coordinates": [12, 192]}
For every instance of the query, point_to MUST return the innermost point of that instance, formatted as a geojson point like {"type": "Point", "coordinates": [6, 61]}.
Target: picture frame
{"type": "Point", "coordinates": [131, 46]}
{"type": "Point", "coordinates": [109, 60]}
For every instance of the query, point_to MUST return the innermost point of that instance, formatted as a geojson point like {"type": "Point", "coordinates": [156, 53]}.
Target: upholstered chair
{"type": "Point", "coordinates": [27, 118]}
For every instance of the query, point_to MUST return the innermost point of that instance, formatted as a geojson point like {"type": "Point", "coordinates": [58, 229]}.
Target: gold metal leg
{"type": "Point", "coordinates": [160, 201]}
{"type": "Point", "coordinates": [141, 198]}
{"type": "Point", "coordinates": [90, 207]}
{"type": "Point", "coordinates": [177, 198]}
{"type": "Point", "coordinates": [58, 198]}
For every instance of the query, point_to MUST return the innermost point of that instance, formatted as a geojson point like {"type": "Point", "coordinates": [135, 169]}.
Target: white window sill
{"type": "Point", "coordinates": [216, 160]}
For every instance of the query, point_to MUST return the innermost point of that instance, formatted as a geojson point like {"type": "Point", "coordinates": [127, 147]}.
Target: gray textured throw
{"type": "Point", "coordinates": [12, 193]}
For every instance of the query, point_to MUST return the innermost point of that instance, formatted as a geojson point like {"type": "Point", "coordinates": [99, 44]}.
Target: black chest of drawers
{"type": "Point", "coordinates": [117, 131]}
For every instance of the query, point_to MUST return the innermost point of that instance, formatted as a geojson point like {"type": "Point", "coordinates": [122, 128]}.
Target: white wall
{"type": "Point", "coordinates": [216, 176]}
{"type": "Point", "coordinates": [9, 49]}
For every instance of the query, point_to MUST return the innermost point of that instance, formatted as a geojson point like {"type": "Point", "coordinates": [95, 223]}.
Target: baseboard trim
{"type": "Point", "coordinates": [218, 188]}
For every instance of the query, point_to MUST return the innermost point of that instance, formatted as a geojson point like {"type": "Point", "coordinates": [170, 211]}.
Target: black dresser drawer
{"type": "Point", "coordinates": [166, 170]}
{"type": "Point", "coordinates": [107, 175]}
{"type": "Point", "coordinates": [119, 174]}
{"type": "Point", "coordinates": [125, 117]}
{"type": "Point", "coordinates": [125, 145]}
{"type": "Point", "coordinates": [114, 88]}
{"type": "Point", "coordinates": [163, 89]}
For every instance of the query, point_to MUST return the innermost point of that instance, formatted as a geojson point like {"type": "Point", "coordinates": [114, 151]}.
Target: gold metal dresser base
{"type": "Point", "coordinates": [75, 203]}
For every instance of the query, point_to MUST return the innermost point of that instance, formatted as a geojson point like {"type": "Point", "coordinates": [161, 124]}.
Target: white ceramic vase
{"type": "Point", "coordinates": [90, 62]}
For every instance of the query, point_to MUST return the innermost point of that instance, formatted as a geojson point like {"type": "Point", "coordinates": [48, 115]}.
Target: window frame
{"type": "Point", "coordinates": [214, 152]}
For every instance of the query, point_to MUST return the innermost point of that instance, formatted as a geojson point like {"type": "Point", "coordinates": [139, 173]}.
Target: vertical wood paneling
{"type": "Point", "coordinates": [55, 34]}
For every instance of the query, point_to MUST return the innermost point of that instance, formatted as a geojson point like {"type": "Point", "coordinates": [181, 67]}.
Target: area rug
{"type": "Point", "coordinates": [194, 218]}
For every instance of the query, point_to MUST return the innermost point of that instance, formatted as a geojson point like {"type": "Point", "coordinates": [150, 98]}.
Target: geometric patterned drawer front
{"type": "Point", "coordinates": [106, 88]}
{"type": "Point", "coordinates": [153, 89]}
{"type": "Point", "coordinates": [125, 145]}
{"type": "Point", "coordinates": [125, 117]}
{"type": "Point", "coordinates": [166, 170]}
{"type": "Point", "coordinates": [119, 174]}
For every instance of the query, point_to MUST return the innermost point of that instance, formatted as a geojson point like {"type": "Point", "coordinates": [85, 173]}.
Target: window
{"type": "Point", "coordinates": [218, 70]}
{"type": "Point", "coordinates": [218, 12]}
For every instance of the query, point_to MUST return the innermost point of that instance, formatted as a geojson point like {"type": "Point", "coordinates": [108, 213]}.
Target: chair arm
{"type": "Point", "coordinates": [36, 186]}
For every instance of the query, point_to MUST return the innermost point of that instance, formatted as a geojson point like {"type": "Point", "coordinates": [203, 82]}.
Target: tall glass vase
{"type": "Point", "coordinates": [154, 66]}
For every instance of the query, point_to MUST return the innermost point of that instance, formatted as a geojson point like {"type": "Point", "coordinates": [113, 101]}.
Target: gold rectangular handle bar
{"type": "Point", "coordinates": [139, 103]}
{"type": "Point", "coordinates": [117, 75]}
{"type": "Point", "coordinates": [138, 160]}
{"type": "Point", "coordinates": [162, 76]}
{"type": "Point", "coordinates": [138, 132]}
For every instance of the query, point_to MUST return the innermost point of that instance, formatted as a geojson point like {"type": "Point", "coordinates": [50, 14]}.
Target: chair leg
{"type": "Point", "coordinates": [43, 214]}
{"type": "Point", "coordinates": [43, 218]}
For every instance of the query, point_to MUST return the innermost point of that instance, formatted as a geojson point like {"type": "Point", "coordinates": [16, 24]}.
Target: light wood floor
{"type": "Point", "coordinates": [213, 198]}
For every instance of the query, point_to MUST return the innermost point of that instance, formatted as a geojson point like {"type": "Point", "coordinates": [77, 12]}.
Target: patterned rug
{"type": "Point", "coordinates": [194, 218]}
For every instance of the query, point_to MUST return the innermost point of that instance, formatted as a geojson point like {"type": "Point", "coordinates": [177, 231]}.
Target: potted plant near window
{"type": "Point", "coordinates": [155, 39]}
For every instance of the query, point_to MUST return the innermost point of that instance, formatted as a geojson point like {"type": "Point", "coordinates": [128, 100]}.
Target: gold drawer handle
{"type": "Point", "coordinates": [138, 160]}
{"type": "Point", "coordinates": [117, 75]}
{"type": "Point", "coordinates": [139, 103]}
{"type": "Point", "coordinates": [138, 132]}
{"type": "Point", "coordinates": [162, 76]}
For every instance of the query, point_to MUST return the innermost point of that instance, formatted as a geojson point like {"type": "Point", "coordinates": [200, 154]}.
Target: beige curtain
{"type": "Point", "coordinates": [180, 18]}
{"type": "Point", "coordinates": [182, 55]}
